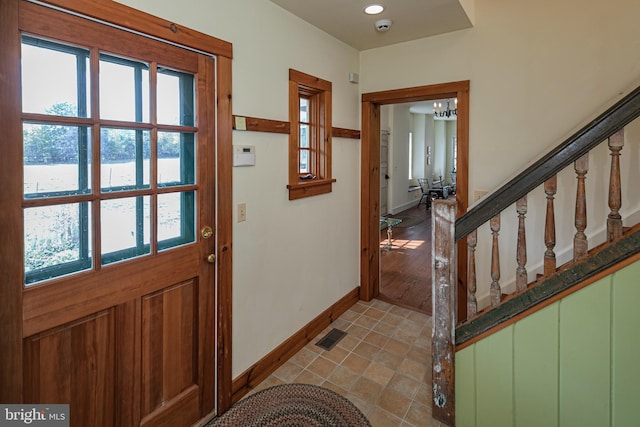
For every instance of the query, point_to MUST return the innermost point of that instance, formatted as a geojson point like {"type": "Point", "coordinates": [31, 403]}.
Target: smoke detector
{"type": "Point", "coordinates": [383, 25]}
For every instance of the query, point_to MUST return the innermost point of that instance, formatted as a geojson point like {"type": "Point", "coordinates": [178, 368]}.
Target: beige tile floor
{"type": "Point", "coordinates": [383, 364]}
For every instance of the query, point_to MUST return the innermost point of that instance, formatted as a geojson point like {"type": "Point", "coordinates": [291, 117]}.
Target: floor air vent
{"type": "Point", "coordinates": [331, 339]}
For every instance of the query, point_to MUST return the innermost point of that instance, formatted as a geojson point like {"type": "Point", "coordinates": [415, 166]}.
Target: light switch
{"type": "Point", "coordinates": [242, 212]}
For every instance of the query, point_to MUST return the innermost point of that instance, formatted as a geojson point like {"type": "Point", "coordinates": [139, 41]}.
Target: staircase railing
{"type": "Point", "coordinates": [505, 301]}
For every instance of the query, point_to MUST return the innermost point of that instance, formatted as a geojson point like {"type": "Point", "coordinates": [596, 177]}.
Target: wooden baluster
{"type": "Point", "coordinates": [550, 187]}
{"type": "Point", "coordinates": [521, 251]}
{"type": "Point", "coordinates": [496, 292]}
{"type": "Point", "coordinates": [580, 244]}
{"type": "Point", "coordinates": [614, 221]}
{"type": "Point", "coordinates": [472, 302]}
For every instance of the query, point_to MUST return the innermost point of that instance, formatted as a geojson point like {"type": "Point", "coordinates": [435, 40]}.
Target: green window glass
{"type": "Point", "coordinates": [143, 189]}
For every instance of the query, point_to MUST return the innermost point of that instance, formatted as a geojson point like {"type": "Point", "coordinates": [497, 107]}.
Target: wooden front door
{"type": "Point", "coordinates": [115, 219]}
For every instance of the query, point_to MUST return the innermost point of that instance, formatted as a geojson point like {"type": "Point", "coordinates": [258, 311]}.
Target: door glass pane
{"type": "Point", "coordinates": [57, 240]}
{"type": "Point", "coordinates": [176, 219]}
{"type": "Point", "coordinates": [176, 158]}
{"type": "Point", "coordinates": [55, 78]}
{"type": "Point", "coordinates": [176, 103]}
{"type": "Point", "coordinates": [124, 157]}
{"type": "Point", "coordinates": [125, 228]}
{"type": "Point", "coordinates": [57, 160]}
{"type": "Point", "coordinates": [124, 90]}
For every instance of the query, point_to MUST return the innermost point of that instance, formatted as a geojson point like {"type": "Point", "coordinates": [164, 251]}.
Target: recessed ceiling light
{"type": "Point", "coordinates": [373, 9]}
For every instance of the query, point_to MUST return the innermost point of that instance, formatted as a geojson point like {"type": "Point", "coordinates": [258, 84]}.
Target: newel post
{"type": "Point", "coordinates": [444, 279]}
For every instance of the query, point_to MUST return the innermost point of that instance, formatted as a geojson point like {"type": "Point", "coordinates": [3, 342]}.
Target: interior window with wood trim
{"type": "Point", "coordinates": [310, 136]}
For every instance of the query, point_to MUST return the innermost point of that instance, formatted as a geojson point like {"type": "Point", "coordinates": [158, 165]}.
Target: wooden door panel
{"type": "Point", "coordinates": [74, 363]}
{"type": "Point", "coordinates": [183, 410]}
{"type": "Point", "coordinates": [128, 327]}
{"type": "Point", "coordinates": [80, 295]}
{"type": "Point", "coordinates": [169, 349]}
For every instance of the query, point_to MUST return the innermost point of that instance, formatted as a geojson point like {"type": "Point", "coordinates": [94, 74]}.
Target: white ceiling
{"type": "Point", "coordinates": [411, 19]}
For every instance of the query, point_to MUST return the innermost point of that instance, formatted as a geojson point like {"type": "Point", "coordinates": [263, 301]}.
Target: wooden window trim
{"type": "Point", "coordinates": [319, 91]}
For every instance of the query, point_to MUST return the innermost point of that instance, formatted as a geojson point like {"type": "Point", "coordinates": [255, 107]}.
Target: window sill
{"type": "Point", "coordinates": [303, 189]}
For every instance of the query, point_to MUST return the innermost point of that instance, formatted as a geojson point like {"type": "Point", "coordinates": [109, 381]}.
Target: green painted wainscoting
{"type": "Point", "coordinates": [575, 363]}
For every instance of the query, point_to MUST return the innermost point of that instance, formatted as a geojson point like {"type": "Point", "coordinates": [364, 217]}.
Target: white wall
{"type": "Point", "coordinates": [442, 158]}
{"type": "Point", "coordinates": [291, 259]}
{"type": "Point", "coordinates": [544, 65]}
{"type": "Point", "coordinates": [429, 132]}
{"type": "Point", "coordinates": [418, 157]}
{"type": "Point", "coordinates": [399, 159]}
{"type": "Point", "coordinates": [399, 122]}
{"type": "Point", "coordinates": [538, 70]}
{"type": "Point", "coordinates": [451, 132]}
{"type": "Point", "coordinates": [439, 150]}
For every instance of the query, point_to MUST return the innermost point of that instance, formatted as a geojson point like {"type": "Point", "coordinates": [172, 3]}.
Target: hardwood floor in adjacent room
{"type": "Point", "coordinates": [405, 276]}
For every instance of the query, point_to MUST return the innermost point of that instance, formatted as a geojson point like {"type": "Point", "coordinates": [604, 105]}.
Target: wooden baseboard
{"type": "Point", "coordinates": [260, 370]}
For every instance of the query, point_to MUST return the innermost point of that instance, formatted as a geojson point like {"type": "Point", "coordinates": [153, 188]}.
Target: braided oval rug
{"type": "Point", "coordinates": [293, 405]}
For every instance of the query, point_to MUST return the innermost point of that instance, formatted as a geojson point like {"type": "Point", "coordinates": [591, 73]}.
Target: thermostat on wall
{"type": "Point", "coordinates": [244, 155]}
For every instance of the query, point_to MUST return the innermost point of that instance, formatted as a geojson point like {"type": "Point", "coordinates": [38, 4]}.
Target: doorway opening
{"type": "Point", "coordinates": [417, 164]}
{"type": "Point", "coordinates": [370, 167]}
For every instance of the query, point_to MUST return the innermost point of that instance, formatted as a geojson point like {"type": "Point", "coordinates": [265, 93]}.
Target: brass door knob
{"type": "Point", "coordinates": [206, 232]}
{"type": "Point", "coordinates": [211, 258]}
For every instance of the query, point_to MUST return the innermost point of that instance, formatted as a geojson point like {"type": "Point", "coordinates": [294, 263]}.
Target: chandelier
{"type": "Point", "coordinates": [438, 111]}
